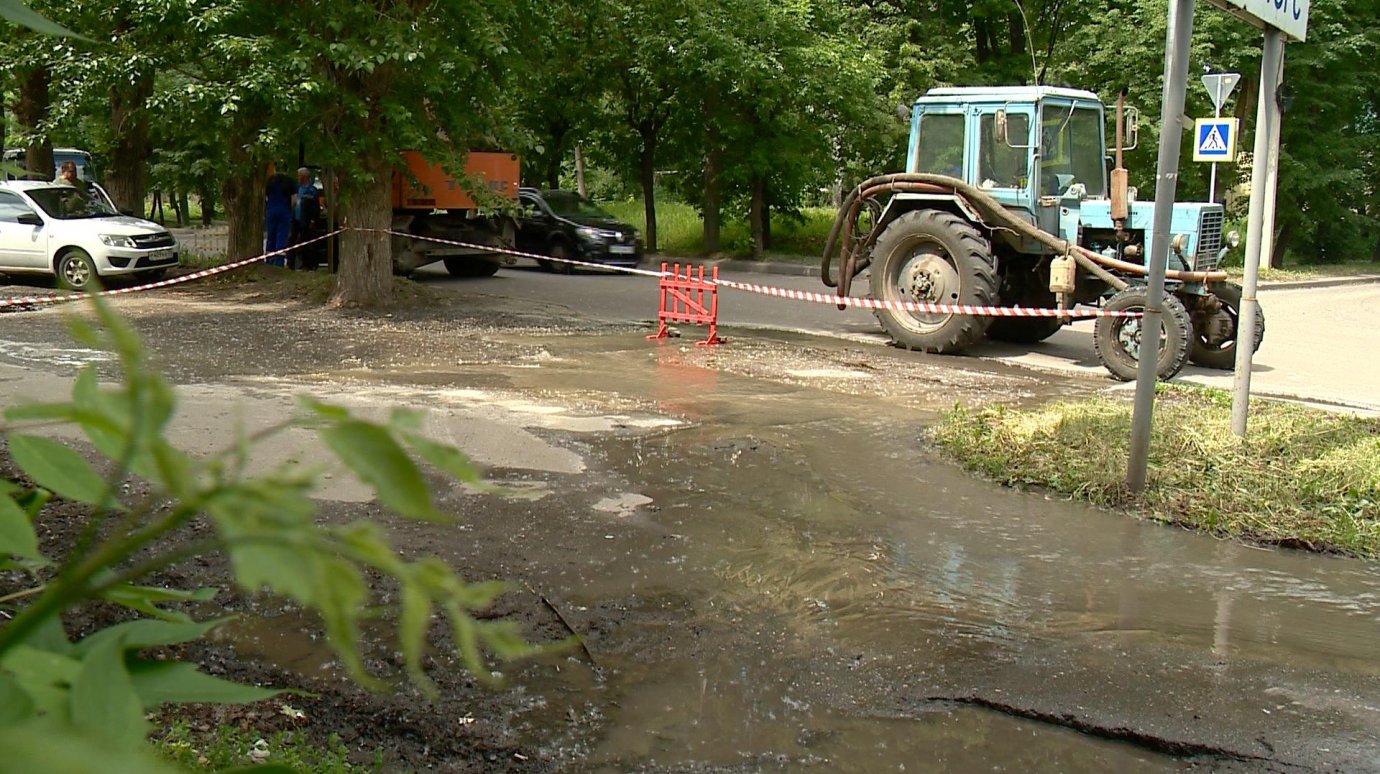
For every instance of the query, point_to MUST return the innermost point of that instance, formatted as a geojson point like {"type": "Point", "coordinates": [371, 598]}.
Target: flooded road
{"type": "Point", "coordinates": [815, 586]}
{"type": "Point", "coordinates": [772, 568]}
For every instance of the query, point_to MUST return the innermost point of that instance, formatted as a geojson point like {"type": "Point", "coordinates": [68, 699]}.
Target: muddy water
{"type": "Point", "coordinates": [820, 589]}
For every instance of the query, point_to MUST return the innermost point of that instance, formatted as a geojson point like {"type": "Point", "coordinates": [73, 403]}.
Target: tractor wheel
{"type": "Point", "coordinates": [931, 256]}
{"type": "Point", "coordinates": [1026, 330]}
{"type": "Point", "coordinates": [1214, 345]}
{"type": "Point", "coordinates": [471, 266]}
{"type": "Point", "coordinates": [1117, 339]}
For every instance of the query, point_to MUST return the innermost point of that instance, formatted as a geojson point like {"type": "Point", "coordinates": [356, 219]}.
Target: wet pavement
{"type": "Point", "coordinates": [773, 569]}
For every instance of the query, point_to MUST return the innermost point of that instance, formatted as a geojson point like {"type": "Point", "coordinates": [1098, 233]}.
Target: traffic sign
{"type": "Point", "coordinates": [1219, 87]}
{"type": "Point", "coordinates": [1214, 139]}
{"type": "Point", "coordinates": [1288, 16]}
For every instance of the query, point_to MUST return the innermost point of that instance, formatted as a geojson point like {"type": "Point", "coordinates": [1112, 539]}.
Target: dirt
{"type": "Point", "coordinates": [768, 567]}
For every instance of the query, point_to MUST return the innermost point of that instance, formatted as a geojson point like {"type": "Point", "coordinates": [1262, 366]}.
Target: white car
{"type": "Point", "coordinates": [58, 229]}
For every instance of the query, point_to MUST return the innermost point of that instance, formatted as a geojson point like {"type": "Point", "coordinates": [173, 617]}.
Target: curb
{"type": "Point", "coordinates": [1329, 282]}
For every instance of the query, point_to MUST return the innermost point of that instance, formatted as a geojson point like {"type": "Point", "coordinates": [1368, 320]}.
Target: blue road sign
{"type": "Point", "coordinates": [1214, 139]}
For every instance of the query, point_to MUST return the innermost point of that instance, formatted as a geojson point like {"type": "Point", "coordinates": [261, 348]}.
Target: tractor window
{"type": "Point", "coordinates": [940, 147]}
{"type": "Point", "coordinates": [999, 164]}
{"type": "Point", "coordinates": [1071, 150]}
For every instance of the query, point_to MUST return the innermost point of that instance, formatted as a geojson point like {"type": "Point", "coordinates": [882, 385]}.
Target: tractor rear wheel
{"type": "Point", "coordinates": [1214, 345]}
{"type": "Point", "coordinates": [932, 256]}
{"type": "Point", "coordinates": [1117, 340]}
{"type": "Point", "coordinates": [471, 266]}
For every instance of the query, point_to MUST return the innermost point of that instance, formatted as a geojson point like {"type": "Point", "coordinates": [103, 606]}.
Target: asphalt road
{"type": "Point", "coordinates": [1318, 345]}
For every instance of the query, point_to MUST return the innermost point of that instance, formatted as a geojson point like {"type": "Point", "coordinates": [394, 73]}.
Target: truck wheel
{"type": "Point", "coordinates": [1117, 339]}
{"type": "Point", "coordinates": [1214, 342]}
{"type": "Point", "coordinates": [1026, 330]}
{"type": "Point", "coordinates": [471, 266]}
{"type": "Point", "coordinates": [933, 256]}
{"type": "Point", "coordinates": [75, 271]}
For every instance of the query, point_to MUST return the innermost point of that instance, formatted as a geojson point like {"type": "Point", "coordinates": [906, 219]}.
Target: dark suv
{"type": "Point", "coordinates": [563, 224]}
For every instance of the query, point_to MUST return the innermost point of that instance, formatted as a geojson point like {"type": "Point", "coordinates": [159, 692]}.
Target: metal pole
{"type": "Point", "coordinates": [1267, 224]}
{"type": "Point", "coordinates": [1212, 176]}
{"type": "Point", "coordinates": [1176, 46]}
{"type": "Point", "coordinates": [1266, 127]}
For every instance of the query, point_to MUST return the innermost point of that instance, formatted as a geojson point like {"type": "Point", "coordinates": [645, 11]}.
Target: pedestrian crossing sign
{"type": "Point", "coordinates": [1214, 139]}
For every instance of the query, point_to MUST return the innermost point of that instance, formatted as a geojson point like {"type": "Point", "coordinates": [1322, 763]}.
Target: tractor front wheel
{"type": "Point", "coordinates": [1216, 329]}
{"type": "Point", "coordinates": [932, 256]}
{"type": "Point", "coordinates": [1117, 340]}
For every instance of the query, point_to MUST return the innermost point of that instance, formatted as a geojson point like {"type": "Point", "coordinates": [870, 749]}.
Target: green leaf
{"type": "Point", "coordinates": [146, 599]}
{"type": "Point", "coordinates": [48, 747]}
{"type": "Point", "coordinates": [17, 536]}
{"type": "Point", "coordinates": [145, 633]}
{"type": "Point", "coordinates": [15, 704]}
{"type": "Point", "coordinates": [444, 457]}
{"type": "Point", "coordinates": [43, 675]}
{"type": "Point", "coordinates": [17, 12]}
{"type": "Point", "coordinates": [103, 702]}
{"type": "Point", "coordinates": [379, 461]}
{"type": "Point", "coordinates": [157, 682]}
{"type": "Point", "coordinates": [58, 468]}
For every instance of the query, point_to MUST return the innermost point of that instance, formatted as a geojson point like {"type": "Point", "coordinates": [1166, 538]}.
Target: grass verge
{"type": "Point", "coordinates": [1303, 478]}
{"type": "Point", "coordinates": [680, 231]}
{"type": "Point", "coordinates": [1311, 271]}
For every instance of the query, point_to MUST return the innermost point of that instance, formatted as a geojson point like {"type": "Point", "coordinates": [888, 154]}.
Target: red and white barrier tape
{"type": "Point", "coordinates": [196, 275]}
{"type": "Point", "coordinates": [767, 290]}
{"type": "Point", "coordinates": [915, 306]}
{"type": "Point", "coordinates": [518, 253]}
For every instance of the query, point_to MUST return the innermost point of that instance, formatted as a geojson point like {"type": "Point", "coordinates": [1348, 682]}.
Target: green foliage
{"type": "Point", "coordinates": [1302, 477]}
{"type": "Point", "coordinates": [227, 746]}
{"type": "Point", "coordinates": [88, 698]}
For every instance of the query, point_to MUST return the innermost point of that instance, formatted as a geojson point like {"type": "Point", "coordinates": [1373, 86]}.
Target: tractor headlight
{"type": "Point", "coordinates": [1234, 239]}
{"type": "Point", "coordinates": [117, 240]}
{"type": "Point", "coordinates": [1179, 243]}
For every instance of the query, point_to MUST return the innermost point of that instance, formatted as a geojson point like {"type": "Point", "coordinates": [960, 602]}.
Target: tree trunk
{"type": "Point", "coordinates": [129, 125]}
{"type": "Point", "coordinates": [30, 110]}
{"type": "Point", "coordinates": [242, 190]}
{"type": "Point", "coordinates": [208, 203]}
{"type": "Point", "coordinates": [366, 258]}
{"type": "Point", "coordinates": [580, 171]}
{"type": "Point", "coordinates": [1280, 245]}
{"type": "Point", "coordinates": [649, 133]}
{"type": "Point", "coordinates": [713, 218]}
{"type": "Point", "coordinates": [757, 216]}
{"type": "Point", "coordinates": [184, 213]}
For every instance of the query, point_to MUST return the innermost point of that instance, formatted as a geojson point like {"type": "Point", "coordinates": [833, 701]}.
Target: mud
{"type": "Point", "coordinates": [767, 565]}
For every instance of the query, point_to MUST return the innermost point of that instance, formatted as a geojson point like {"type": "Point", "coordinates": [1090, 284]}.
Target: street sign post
{"type": "Point", "coordinates": [1219, 86]}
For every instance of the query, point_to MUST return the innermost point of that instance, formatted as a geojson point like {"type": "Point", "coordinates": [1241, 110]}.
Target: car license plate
{"type": "Point", "coordinates": [164, 255]}
{"type": "Point", "coordinates": [622, 249]}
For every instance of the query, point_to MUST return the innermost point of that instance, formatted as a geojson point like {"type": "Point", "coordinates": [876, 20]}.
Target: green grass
{"type": "Point", "coordinates": [226, 746]}
{"type": "Point", "coordinates": [680, 232]}
{"type": "Point", "coordinates": [1303, 477]}
{"type": "Point", "coordinates": [1312, 271]}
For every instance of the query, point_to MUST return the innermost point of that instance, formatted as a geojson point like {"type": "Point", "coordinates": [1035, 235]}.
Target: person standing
{"type": "Point", "coordinates": [306, 208]}
{"type": "Point", "coordinates": [278, 195]}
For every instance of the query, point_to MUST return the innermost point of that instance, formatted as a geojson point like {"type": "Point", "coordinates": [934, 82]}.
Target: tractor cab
{"type": "Point", "coordinates": [1041, 152]}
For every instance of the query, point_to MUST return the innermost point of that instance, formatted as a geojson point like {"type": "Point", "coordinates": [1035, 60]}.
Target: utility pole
{"type": "Point", "coordinates": [1176, 47]}
{"type": "Point", "coordinates": [1267, 123]}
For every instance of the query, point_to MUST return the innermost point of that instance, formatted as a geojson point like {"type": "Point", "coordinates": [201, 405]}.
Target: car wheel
{"type": "Point", "coordinates": [76, 271]}
{"type": "Point", "coordinates": [561, 254]}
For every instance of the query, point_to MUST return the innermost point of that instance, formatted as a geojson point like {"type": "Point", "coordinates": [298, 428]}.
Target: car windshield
{"type": "Point", "coordinates": [66, 202]}
{"type": "Point", "coordinates": [568, 204]}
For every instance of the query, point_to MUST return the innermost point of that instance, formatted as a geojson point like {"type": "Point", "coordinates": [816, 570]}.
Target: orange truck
{"type": "Point", "coordinates": [430, 203]}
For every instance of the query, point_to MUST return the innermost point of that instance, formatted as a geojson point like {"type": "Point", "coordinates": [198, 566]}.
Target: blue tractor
{"type": "Point", "coordinates": [1008, 200]}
